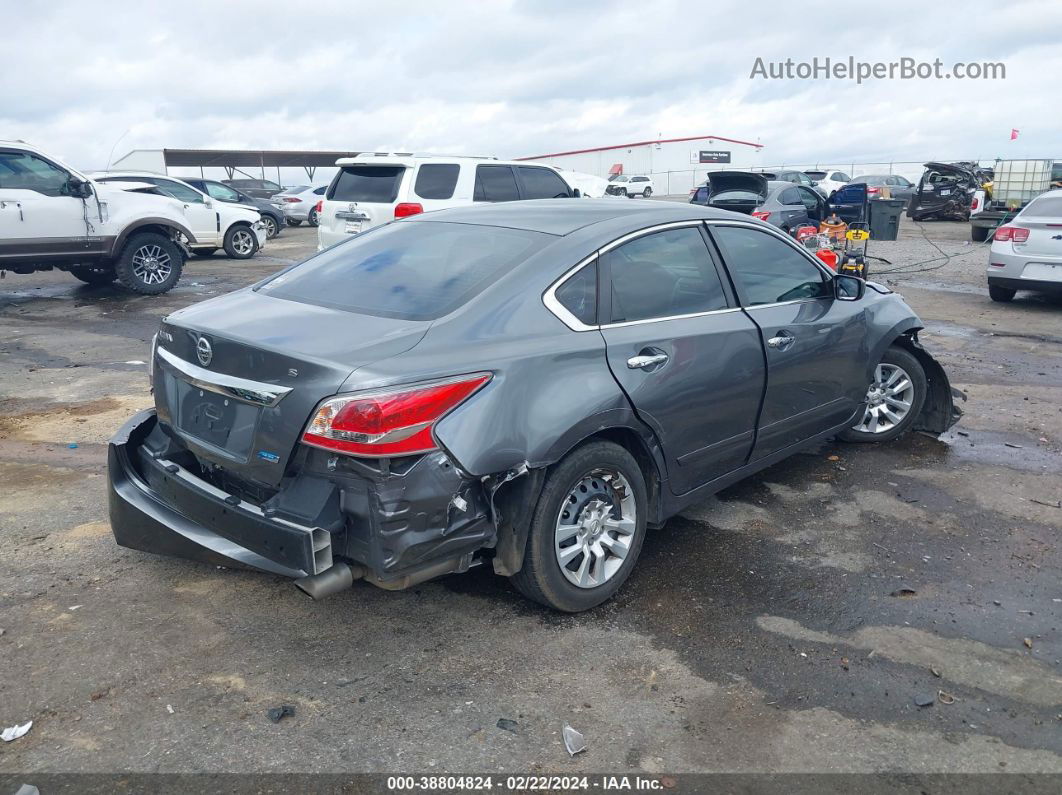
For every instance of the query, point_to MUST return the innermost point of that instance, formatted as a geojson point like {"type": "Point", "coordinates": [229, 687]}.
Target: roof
{"type": "Point", "coordinates": [564, 216]}
{"type": "Point", "coordinates": [252, 157]}
{"type": "Point", "coordinates": [646, 143]}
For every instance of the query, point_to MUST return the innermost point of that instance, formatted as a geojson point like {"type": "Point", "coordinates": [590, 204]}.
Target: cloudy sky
{"type": "Point", "coordinates": [523, 77]}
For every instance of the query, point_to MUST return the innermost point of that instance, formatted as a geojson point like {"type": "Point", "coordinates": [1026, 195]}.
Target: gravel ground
{"type": "Point", "coordinates": [764, 630]}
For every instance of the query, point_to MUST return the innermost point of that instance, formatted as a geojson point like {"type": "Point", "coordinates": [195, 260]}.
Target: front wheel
{"type": "Point", "coordinates": [586, 529]}
{"type": "Point", "coordinates": [1001, 294]}
{"type": "Point", "coordinates": [894, 398]}
{"type": "Point", "coordinates": [272, 228]}
{"type": "Point", "coordinates": [647, 193]}
{"type": "Point", "coordinates": [96, 276]}
{"type": "Point", "coordinates": [240, 242]}
{"type": "Point", "coordinates": [150, 264]}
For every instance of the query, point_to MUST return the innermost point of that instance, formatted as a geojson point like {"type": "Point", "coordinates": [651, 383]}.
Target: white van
{"type": "Point", "coordinates": [372, 189]}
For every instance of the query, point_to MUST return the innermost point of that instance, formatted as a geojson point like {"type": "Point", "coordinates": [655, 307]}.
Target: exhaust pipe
{"type": "Point", "coordinates": [332, 580]}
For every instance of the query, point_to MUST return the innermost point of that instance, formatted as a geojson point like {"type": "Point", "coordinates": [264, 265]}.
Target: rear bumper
{"type": "Point", "coordinates": [1026, 284]}
{"type": "Point", "coordinates": [403, 529]}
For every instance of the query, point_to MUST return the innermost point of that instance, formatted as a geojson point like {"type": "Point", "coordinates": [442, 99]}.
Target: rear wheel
{"type": "Point", "coordinates": [586, 530]}
{"type": "Point", "coordinates": [647, 193]}
{"type": "Point", "coordinates": [240, 242]}
{"type": "Point", "coordinates": [979, 234]}
{"type": "Point", "coordinates": [1001, 294]}
{"type": "Point", "coordinates": [293, 222]}
{"type": "Point", "coordinates": [92, 275]}
{"type": "Point", "coordinates": [312, 217]}
{"type": "Point", "coordinates": [272, 228]}
{"type": "Point", "coordinates": [894, 398]}
{"type": "Point", "coordinates": [149, 264]}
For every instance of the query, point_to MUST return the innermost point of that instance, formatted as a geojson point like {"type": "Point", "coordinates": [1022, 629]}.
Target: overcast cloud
{"type": "Point", "coordinates": [522, 78]}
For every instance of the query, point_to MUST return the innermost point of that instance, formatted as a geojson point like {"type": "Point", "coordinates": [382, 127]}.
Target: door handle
{"type": "Point", "coordinates": [642, 362]}
{"type": "Point", "coordinates": [782, 341]}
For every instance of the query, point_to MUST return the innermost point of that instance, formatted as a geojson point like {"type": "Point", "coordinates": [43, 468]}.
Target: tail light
{"type": "Point", "coordinates": [1015, 234]}
{"type": "Point", "coordinates": [871, 190]}
{"type": "Point", "coordinates": [290, 199]}
{"type": "Point", "coordinates": [319, 207]}
{"type": "Point", "coordinates": [974, 203]}
{"type": "Point", "coordinates": [390, 422]}
{"type": "Point", "coordinates": [406, 209]}
{"type": "Point", "coordinates": [763, 216]}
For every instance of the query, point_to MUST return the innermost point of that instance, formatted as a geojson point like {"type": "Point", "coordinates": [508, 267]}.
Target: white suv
{"type": "Point", "coordinates": [373, 189]}
{"type": "Point", "coordinates": [630, 186]}
{"type": "Point", "coordinates": [237, 228]}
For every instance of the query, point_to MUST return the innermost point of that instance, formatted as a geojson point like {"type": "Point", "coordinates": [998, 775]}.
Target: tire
{"type": "Point", "coordinates": [150, 264]}
{"type": "Point", "coordinates": [293, 222]}
{"type": "Point", "coordinates": [979, 234]}
{"type": "Point", "coordinates": [311, 219]}
{"type": "Point", "coordinates": [272, 228]}
{"type": "Point", "coordinates": [203, 252]}
{"type": "Point", "coordinates": [647, 193]}
{"type": "Point", "coordinates": [241, 242]}
{"type": "Point", "coordinates": [93, 275]}
{"type": "Point", "coordinates": [884, 429]}
{"type": "Point", "coordinates": [541, 578]}
{"type": "Point", "coordinates": [622, 193]}
{"type": "Point", "coordinates": [1001, 294]}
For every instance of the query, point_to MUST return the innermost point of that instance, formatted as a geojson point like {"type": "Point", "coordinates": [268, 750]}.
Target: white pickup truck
{"type": "Point", "coordinates": [54, 217]}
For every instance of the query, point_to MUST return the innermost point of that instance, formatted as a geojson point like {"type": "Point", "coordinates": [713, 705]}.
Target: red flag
{"type": "Point", "coordinates": [1014, 135]}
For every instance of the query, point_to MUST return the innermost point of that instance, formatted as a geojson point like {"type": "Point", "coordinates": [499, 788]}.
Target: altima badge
{"type": "Point", "coordinates": [204, 351]}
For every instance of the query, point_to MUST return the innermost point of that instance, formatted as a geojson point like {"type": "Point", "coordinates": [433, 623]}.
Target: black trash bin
{"type": "Point", "coordinates": [885, 218]}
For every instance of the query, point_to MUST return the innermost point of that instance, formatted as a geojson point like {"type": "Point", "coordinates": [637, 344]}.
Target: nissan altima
{"type": "Point", "coordinates": [530, 386]}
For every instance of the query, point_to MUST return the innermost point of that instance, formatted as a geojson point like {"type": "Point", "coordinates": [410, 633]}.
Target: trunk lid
{"type": "Point", "coordinates": [738, 191]}
{"type": "Point", "coordinates": [1045, 238]}
{"type": "Point", "coordinates": [944, 190]}
{"type": "Point", "coordinates": [241, 399]}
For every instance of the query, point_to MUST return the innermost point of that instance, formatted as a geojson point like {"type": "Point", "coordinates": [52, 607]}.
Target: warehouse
{"type": "Point", "coordinates": [675, 164]}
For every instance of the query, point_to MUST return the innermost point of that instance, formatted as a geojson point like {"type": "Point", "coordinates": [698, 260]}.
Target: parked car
{"type": "Point", "coordinates": [1013, 185]}
{"type": "Point", "coordinates": [300, 203]}
{"type": "Point", "coordinates": [401, 406]}
{"type": "Point", "coordinates": [793, 176]}
{"type": "Point", "coordinates": [262, 188]}
{"type": "Point", "coordinates": [54, 217]}
{"type": "Point", "coordinates": [945, 192]}
{"type": "Point", "coordinates": [237, 229]}
{"type": "Point", "coordinates": [630, 186]}
{"type": "Point", "coordinates": [370, 190]}
{"type": "Point", "coordinates": [1026, 253]}
{"type": "Point", "coordinates": [828, 180]}
{"type": "Point", "coordinates": [588, 185]}
{"type": "Point", "coordinates": [781, 204]}
{"type": "Point", "coordinates": [272, 217]}
{"type": "Point", "coordinates": [898, 187]}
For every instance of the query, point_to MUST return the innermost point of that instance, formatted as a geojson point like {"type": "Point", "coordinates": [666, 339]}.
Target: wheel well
{"type": "Point", "coordinates": [939, 411]}
{"type": "Point", "coordinates": [635, 445]}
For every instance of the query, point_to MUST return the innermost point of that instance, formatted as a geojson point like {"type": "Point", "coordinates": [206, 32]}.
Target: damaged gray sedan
{"type": "Point", "coordinates": [528, 386]}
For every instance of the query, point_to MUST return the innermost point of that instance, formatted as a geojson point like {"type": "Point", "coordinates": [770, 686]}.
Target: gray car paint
{"type": "Point", "coordinates": [553, 387]}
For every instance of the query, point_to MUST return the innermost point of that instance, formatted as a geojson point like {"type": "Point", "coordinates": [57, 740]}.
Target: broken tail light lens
{"type": "Point", "coordinates": [974, 203]}
{"type": "Point", "coordinates": [390, 422]}
{"type": "Point", "coordinates": [319, 208]}
{"type": "Point", "coordinates": [1014, 234]}
{"type": "Point", "coordinates": [763, 216]}
{"type": "Point", "coordinates": [406, 209]}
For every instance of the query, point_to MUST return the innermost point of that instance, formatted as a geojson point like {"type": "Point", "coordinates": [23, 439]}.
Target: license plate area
{"type": "Point", "coordinates": [1042, 271]}
{"type": "Point", "coordinates": [220, 422]}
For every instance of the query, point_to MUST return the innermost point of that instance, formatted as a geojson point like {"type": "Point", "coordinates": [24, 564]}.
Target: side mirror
{"type": "Point", "coordinates": [848, 288]}
{"type": "Point", "coordinates": [79, 189]}
{"type": "Point", "coordinates": [814, 183]}
{"type": "Point", "coordinates": [576, 193]}
{"type": "Point", "coordinates": [208, 202]}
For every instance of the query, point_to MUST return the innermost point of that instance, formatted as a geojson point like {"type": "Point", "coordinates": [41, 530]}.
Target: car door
{"type": "Point", "coordinates": [38, 216]}
{"type": "Point", "coordinates": [203, 221]}
{"type": "Point", "coordinates": [793, 213]}
{"type": "Point", "coordinates": [495, 184]}
{"type": "Point", "coordinates": [690, 362]}
{"type": "Point", "coordinates": [816, 345]}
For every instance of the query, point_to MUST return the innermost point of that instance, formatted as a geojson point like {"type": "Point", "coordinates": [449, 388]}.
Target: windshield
{"type": "Point", "coordinates": [411, 271]}
{"type": "Point", "coordinates": [367, 184]}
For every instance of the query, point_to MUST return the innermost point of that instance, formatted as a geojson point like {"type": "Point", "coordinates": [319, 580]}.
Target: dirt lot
{"type": "Point", "coordinates": [761, 631]}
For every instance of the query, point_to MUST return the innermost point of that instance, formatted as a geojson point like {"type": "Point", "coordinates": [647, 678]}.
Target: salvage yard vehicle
{"type": "Point", "coordinates": [212, 224]}
{"type": "Point", "coordinates": [528, 385]}
{"type": "Point", "coordinates": [945, 191]}
{"type": "Point", "coordinates": [54, 217]}
{"type": "Point", "coordinates": [373, 189]}
{"type": "Point", "coordinates": [1014, 184]}
{"type": "Point", "coordinates": [630, 186]}
{"type": "Point", "coordinates": [259, 188]}
{"type": "Point", "coordinates": [1026, 252]}
{"type": "Point", "coordinates": [828, 180]}
{"type": "Point", "coordinates": [272, 216]}
{"type": "Point", "coordinates": [299, 203]}
{"type": "Point", "coordinates": [897, 186]}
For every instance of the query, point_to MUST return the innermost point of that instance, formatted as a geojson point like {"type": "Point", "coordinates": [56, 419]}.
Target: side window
{"type": "Point", "coordinates": [579, 294]}
{"type": "Point", "coordinates": [840, 176]}
{"type": "Point", "coordinates": [790, 196]}
{"type": "Point", "coordinates": [541, 183]}
{"type": "Point", "coordinates": [436, 180]}
{"type": "Point", "coordinates": [495, 184]}
{"type": "Point", "coordinates": [808, 198]}
{"type": "Point", "coordinates": [176, 190]}
{"type": "Point", "coordinates": [320, 191]}
{"type": "Point", "coordinates": [663, 275]}
{"type": "Point", "coordinates": [891, 181]}
{"type": "Point", "coordinates": [903, 182]}
{"type": "Point", "coordinates": [768, 270]}
{"type": "Point", "coordinates": [267, 185]}
{"type": "Point", "coordinates": [23, 171]}
{"type": "Point", "coordinates": [700, 196]}
{"type": "Point", "coordinates": [222, 192]}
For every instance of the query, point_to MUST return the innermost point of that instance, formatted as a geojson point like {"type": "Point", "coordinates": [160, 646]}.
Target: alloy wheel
{"type": "Point", "coordinates": [270, 226]}
{"type": "Point", "coordinates": [242, 242]}
{"type": "Point", "coordinates": [889, 399]}
{"type": "Point", "coordinates": [151, 264]}
{"type": "Point", "coordinates": [595, 528]}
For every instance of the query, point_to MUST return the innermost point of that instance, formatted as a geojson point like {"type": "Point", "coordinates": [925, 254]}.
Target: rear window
{"type": "Point", "coordinates": [725, 196]}
{"type": "Point", "coordinates": [1045, 206]}
{"type": "Point", "coordinates": [816, 174]}
{"type": "Point", "coordinates": [378, 184]}
{"type": "Point", "coordinates": [437, 180]}
{"type": "Point", "coordinates": [409, 270]}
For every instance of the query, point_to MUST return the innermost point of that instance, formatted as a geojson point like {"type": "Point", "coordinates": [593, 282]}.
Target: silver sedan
{"type": "Point", "coordinates": [1026, 253]}
{"type": "Point", "coordinates": [300, 203]}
